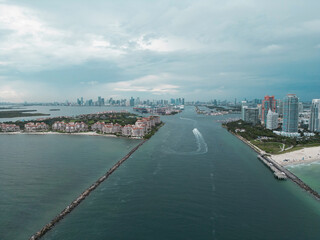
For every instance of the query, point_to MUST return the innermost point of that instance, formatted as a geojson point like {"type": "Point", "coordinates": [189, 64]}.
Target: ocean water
{"type": "Point", "coordinates": [309, 173]}
{"type": "Point", "coordinates": [40, 175]}
{"type": "Point", "coordinates": [191, 180]}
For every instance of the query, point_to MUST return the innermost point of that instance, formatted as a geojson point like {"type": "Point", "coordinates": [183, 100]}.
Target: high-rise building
{"type": "Point", "coordinates": [290, 113]}
{"type": "Point", "coordinates": [279, 107]}
{"type": "Point", "coordinates": [251, 115]}
{"type": "Point", "coordinates": [131, 101]}
{"type": "Point", "coordinates": [259, 106]}
{"type": "Point", "coordinates": [267, 103]}
{"type": "Point", "coordinates": [244, 105]}
{"type": "Point", "coordinates": [314, 124]}
{"type": "Point", "coordinates": [300, 107]}
{"type": "Point", "coordinates": [272, 120]}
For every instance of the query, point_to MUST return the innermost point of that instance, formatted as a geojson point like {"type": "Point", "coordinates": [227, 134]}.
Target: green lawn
{"type": "Point", "coordinates": [269, 147]}
{"type": "Point", "coordinates": [275, 147]}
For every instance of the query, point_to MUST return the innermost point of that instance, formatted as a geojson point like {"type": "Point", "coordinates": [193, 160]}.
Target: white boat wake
{"type": "Point", "coordinates": [201, 144]}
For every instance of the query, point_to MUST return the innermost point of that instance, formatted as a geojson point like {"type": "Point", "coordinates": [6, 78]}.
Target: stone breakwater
{"type": "Point", "coordinates": [82, 196]}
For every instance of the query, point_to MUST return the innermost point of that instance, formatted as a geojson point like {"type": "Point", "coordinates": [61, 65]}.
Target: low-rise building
{"type": "Point", "coordinates": [35, 127]}
{"type": "Point", "coordinates": [9, 127]}
{"type": "Point", "coordinates": [97, 127]}
{"type": "Point", "coordinates": [59, 126]}
{"type": "Point", "coordinates": [137, 131]}
{"type": "Point", "coordinates": [70, 127]}
{"type": "Point", "coordinates": [127, 130]}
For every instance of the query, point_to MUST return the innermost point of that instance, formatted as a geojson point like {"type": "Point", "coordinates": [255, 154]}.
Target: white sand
{"type": "Point", "coordinates": [306, 155]}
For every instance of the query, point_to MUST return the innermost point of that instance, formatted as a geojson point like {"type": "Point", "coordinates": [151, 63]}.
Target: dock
{"type": "Point", "coordinates": [82, 196]}
{"type": "Point", "coordinates": [276, 172]}
{"type": "Point", "coordinates": [289, 175]}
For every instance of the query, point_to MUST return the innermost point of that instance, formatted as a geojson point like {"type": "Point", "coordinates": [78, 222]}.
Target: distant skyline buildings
{"type": "Point", "coordinates": [126, 102]}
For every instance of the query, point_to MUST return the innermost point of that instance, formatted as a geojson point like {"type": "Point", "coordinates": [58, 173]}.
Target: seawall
{"type": "Point", "coordinates": [82, 196]}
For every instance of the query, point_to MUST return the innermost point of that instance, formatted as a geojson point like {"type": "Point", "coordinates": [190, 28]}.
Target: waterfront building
{"type": "Point", "coordinates": [290, 113]}
{"type": "Point", "coordinates": [141, 123]}
{"type": "Point", "coordinates": [107, 128]}
{"type": "Point", "coordinates": [127, 130]}
{"type": "Point", "coordinates": [251, 115]}
{"type": "Point", "coordinates": [9, 127]}
{"type": "Point", "coordinates": [267, 103]}
{"type": "Point", "coordinates": [137, 131]}
{"type": "Point", "coordinates": [70, 127]}
{"type": "Point", "coordinates": [156, 119]}
{"type": "Point", "coordinates": [111, 128]}
{"type": "Point", "coordinates": [59, 126]}
{"type": "Point", "coordinates": [272, 120]}
{"type": "Point", "coordinates": [33, 127]}
{"type": "Point", "coordinates": [314, 124]}
{"type": "Point", "coordinates": [97, 126]}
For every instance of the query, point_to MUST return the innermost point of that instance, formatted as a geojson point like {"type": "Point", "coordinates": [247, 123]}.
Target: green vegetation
{"type": "Point", "coordinates": [153, 131]}
{"type": "Point", "coordinates": [269, 147]}
{"type": "Point", "coordinates": [20, 113]}
{"type": "Point", "coordinates": [268, 141]}
{"type": "Point", "coordinates": [89, 119]}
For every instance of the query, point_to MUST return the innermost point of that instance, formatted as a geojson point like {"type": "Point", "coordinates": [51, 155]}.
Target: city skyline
{"type": "Point", "coordinates": [201, 50]}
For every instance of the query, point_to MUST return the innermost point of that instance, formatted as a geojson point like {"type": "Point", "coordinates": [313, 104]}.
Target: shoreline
{"type": "Point", "coordinates": [302, 156]}
{"type": "Point", "coordinates": [268, 157]}
{"type": "Point", "coordinates": [69, 134]}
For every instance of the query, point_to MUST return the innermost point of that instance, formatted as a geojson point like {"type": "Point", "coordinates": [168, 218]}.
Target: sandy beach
{"type": "Point", "coordinates": [306, 155]}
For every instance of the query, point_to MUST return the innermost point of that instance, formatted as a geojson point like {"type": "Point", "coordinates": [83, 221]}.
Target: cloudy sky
{"type": "Point", "coordinates": [203, 49]}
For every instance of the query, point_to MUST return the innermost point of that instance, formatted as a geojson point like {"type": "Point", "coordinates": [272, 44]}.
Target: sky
{"type": "Point", "coordinates": [199, 50]}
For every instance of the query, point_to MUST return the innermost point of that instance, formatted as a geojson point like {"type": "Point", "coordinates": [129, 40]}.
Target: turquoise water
{"type": "Point", "coordinates": [192, 180]}
{"type": "Point", "coordinates": [309, 173]}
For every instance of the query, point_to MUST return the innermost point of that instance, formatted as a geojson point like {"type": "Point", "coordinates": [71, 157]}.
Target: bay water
{"type": "Point", "coordinates": [191, 180]}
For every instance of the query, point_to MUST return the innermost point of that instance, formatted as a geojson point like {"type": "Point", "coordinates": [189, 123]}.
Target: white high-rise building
{"type": "Point", "coordinates": [272, 120]}
{"type": "Point", "coordinates": [314, 124]}
{"type": "Point", "coordinates": [244, 104]}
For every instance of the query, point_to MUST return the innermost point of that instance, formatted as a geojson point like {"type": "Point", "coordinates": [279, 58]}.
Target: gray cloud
{"type": "Point", "coordinates": [210, 49]}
